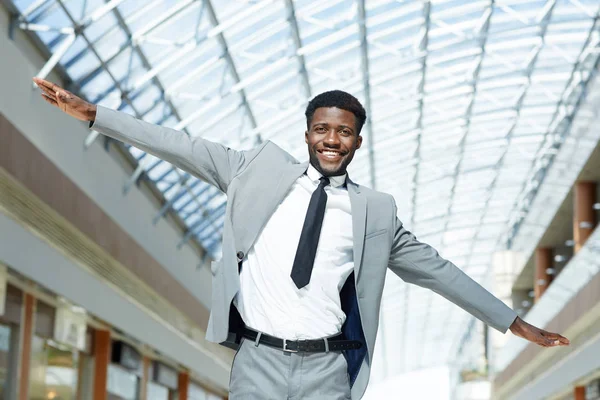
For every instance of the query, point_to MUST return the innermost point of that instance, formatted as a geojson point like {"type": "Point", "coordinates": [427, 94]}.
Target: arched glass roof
{"type": "Point", "coordinates": [468, 102]}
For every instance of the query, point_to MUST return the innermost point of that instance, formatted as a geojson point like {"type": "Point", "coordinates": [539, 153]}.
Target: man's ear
{"type": "Point", "coordinates": [306, 137]}
{"type": "Point", "coordinates": [358, 142]}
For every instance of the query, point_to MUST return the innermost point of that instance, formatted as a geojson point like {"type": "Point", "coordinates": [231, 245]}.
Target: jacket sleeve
{"type": "Point", "coordinates": [211, 162]}
{"type": "Point", "coordinates": [420, 264]}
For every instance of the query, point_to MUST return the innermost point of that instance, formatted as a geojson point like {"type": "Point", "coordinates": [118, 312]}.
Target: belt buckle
{"type": "Point", "coordinates": [286, 349]}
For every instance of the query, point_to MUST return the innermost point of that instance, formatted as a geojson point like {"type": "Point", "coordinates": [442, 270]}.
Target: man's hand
{"type": "Point", "coordinates": [66, 101]}
{"type": "Point", "coordinates": [535, 335]}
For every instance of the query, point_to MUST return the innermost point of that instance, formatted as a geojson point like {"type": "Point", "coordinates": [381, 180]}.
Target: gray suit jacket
{"type": "Point", "coordinates": [255, 182]}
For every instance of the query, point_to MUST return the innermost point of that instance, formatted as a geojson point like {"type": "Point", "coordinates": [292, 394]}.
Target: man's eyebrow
{"type": "Point", "coordinates": [327, 124]}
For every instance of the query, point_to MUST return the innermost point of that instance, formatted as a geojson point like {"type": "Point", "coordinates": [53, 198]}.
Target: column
{"type": "Point", "coordinates": [145, 377]}
{"type": "Point", "coordinates": [584, 215]}
{"type": "Point", "coordinates": [182, 385]}
{"type": "Point", "coordinates": [26, 336]}
{"type": "Point", "coordinates": [101, 361]}
{"type": "Point", "coordinates": [543, 261]}
{"type": "Point", "coordinates": [579, 393]}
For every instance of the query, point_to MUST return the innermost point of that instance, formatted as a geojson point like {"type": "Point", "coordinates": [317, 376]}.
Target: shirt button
{"type": "Point", "coordinates": [240, 255]}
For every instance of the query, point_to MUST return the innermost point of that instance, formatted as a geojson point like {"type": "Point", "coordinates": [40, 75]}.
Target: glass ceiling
{"type": "Point", "coordinates": [468, 103]}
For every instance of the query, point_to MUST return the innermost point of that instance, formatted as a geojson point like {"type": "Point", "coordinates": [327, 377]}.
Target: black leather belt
{"type": "Point", "coordinates": [335, 343]}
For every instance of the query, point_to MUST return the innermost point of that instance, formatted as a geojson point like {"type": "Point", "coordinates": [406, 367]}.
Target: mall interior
{"type": "Point", "coordinates": [483, 123]}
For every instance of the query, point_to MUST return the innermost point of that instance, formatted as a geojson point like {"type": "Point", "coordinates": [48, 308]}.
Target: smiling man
{"type": "Point", "coordinates": [333, 134]}
{"type": "Point", "coordinates": [305, 251]}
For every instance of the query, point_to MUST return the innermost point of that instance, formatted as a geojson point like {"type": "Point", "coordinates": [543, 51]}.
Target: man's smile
{"type": "Point", "coordinates": [330, 154]}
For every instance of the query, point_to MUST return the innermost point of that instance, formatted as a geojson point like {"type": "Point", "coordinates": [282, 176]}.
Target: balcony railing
{"type": "Point", "coordinates": [575, 275]}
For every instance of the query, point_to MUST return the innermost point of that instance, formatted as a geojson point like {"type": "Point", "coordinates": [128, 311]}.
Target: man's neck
{"type": "Point", "coordinates": [336, 180]}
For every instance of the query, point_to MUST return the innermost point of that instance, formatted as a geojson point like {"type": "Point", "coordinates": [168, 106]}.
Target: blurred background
{"type": "Point", "coordinates": [482, 122]}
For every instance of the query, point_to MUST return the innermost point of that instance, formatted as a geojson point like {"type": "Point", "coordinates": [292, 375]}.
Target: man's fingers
{"type": "Point", "coordinates": [46, 84]}
{"type": "Point", "coordinates": [42, 83]}
{"type": "Point", "coordinates": [556, 339]}
{"type": "Point", "coordinates": [53, 91]}
{"type": "Point", "coordinates": [49, 100]}
{"type": "Point", "coordinates": [561, 341]}
{"type": "Point", "coordinates": [48, 92]}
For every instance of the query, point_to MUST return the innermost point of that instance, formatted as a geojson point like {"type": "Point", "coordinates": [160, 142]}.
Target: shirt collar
{"type": "Point", "coordinates": [335, 181]}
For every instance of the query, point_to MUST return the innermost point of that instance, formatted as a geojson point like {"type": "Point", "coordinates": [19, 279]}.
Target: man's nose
{"type": "Point", "coordinates": [332, 138]}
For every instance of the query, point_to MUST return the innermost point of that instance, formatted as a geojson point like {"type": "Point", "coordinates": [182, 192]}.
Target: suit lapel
{"type": "Point", "coordinates": [358, 204]}
{"type": "Point", "coordinates": [283, 181]}
{"type": "Point", "coordinates": [289, 175]}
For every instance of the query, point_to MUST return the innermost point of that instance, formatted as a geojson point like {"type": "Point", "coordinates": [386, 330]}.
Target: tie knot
{"type": "Point", "coordinates": [324, 181]}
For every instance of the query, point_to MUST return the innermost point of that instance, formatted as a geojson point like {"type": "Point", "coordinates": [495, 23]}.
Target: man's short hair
{"type": "Point", "coordinates": [338, 99]}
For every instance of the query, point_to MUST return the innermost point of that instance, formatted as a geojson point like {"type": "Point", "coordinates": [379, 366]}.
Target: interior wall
{"type": "Point", "coordinates": [37, 260]}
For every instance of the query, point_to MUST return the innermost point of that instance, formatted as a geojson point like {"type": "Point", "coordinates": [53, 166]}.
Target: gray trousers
{"type": "Point", "coordinates": [262, 372]}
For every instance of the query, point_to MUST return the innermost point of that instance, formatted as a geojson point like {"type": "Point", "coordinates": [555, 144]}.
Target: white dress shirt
{"type": "Point", "coordinates": [268, 300]}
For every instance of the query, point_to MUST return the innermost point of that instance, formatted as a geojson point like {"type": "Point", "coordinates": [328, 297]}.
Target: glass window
{"type": "Point", "coordinates": [196, 392]}
{"type": "Point", "coordinates": [54, 370]}
{"type": "Point", "coordinates": [157, 392]}
{"type": "Point", "coordinates": [163, 381]}
{"type": "Point", "coordinates": [8, 342]}
{"type": "Point", "coordinates": [122, 384]}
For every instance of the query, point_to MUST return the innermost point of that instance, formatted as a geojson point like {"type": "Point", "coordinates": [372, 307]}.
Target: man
{"type": "Point", "coordinates": [305, 251]}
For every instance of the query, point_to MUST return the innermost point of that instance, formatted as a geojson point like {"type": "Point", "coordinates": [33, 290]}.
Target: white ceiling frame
{"type": "Point", "coordinates": [243, 19]}
{"type": "Point", "coordinates": [181, 6]}
{"type": "Point", "coordinates": [46, 28]}
{"type": "Point", "coordinates": [195, 74]}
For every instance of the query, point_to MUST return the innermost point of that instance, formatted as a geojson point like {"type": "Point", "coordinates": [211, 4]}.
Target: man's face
{"type": "Point", "coordinates": [332, 139]}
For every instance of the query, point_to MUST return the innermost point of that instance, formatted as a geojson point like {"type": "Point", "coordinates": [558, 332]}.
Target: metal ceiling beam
{"type": "Point", "coordinates": [422, 49]}
{"type": "Point", "coordinates": [482, 40]}
{"type": "Point", "coordinates": [291, 17]}
{"type": "Point", "coordinates": [179, 192]}
{"type": "Point", "coordinates": [423, 52]}
{"type": "Point", "coordinates": [201, 223]}
{"type": "Point", "coordinates": [229, 59]}
{"type": "Point", "coordinates": [543, 24]}
{"type": "Point", "coordinates": [185, 187]}
{"type": "Point", "coordinates": [423, 43]}
{"type": "Point", "coordinates": [548, 9]}
{"type": "Point", "coordinates": [165, 17]}
{"type": "Point", "coordinates": [101, 12]}
{"type": "Point", "coordinates": [136, 48]}
{"type": "Point", "coordinates": [92, 74]}
{"type": "Point", "coordinates": [33, 7]}
{"type": "Point", "coordinates": [538, 171]}
{"type": "Point", "coordinates": [57, 55]}
{"type": "Point", "coordinates": [210, 191]}
{"type": "Point", "coordinates": [124, 93]}
{"type": "Point", "coordinates": [91, 48]}
{"type": "Point", "coordinates": [364, 49]}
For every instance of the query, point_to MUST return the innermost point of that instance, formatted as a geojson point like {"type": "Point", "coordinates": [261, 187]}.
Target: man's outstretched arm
{"type": "Point", "coordinates": [211, 162]}
{"type": "Point", "coordinates": [418, 263]}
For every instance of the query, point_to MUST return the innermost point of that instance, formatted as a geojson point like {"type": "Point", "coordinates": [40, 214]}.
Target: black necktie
{"type": "Point", "coordinates": [309, 239]}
